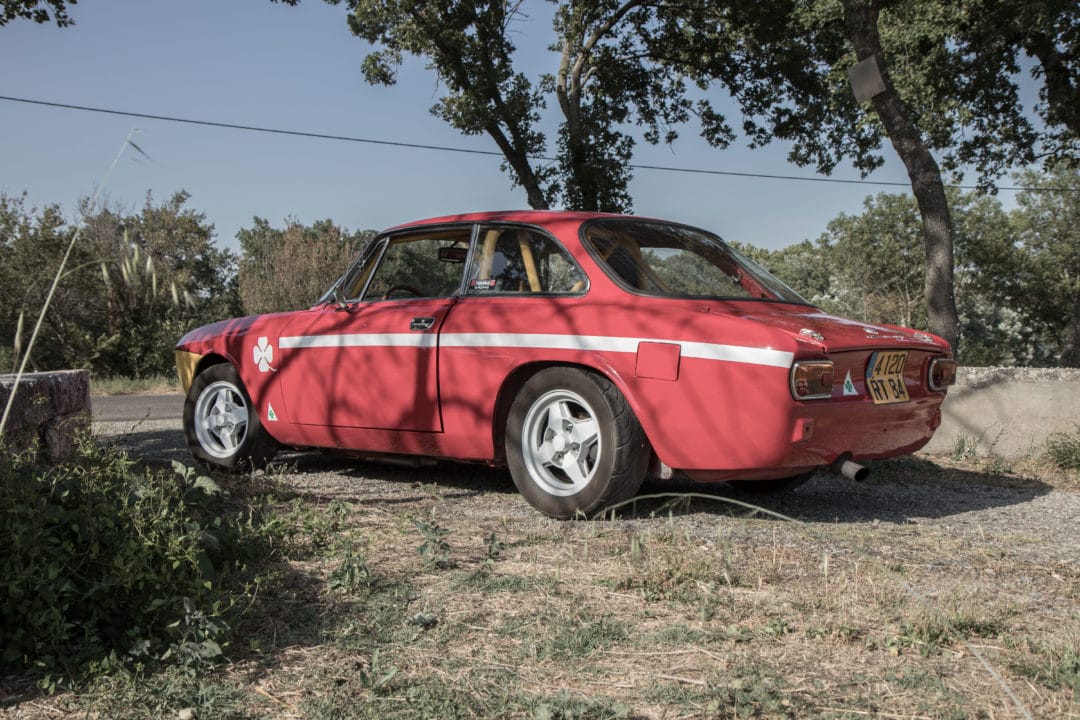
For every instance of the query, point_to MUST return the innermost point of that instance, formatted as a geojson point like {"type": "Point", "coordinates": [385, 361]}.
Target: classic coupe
{"type": "Point", "coordinates": [584, 351]}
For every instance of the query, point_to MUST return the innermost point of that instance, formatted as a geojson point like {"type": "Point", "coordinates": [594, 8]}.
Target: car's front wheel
{"type": "Point", "coordinates": [573, 444]}
{"type": "Point", "coordinates": [221, 426]}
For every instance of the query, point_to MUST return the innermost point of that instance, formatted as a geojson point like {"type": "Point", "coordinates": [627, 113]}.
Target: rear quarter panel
{"type": "Point", "coordinates": [703, 412]}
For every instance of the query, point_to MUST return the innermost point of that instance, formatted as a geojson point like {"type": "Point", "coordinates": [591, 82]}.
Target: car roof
{"type": "Point", "coordinates": [531, 217]}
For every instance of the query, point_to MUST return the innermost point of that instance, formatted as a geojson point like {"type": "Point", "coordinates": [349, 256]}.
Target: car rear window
{"type": "Point", "coordinates": [667, 259]}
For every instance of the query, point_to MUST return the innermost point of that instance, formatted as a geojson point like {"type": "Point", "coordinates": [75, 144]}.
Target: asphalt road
{"type": "Point", "coordinates": [131, 408]}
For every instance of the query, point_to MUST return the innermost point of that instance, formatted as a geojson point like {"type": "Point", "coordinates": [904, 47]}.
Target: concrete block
{"type": "Point", "coordinates": [50, 410]}
{"type": "Point", "coordinates": [1008, 412]}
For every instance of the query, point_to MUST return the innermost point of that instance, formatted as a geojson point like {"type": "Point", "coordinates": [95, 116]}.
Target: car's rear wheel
{"type": "Point", "coordinates": [221, 426]}
{"type": "Point", "coordinates": [573, 444]}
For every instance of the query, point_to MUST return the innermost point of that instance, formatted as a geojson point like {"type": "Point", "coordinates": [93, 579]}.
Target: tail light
{"type": "Point", "coordinates": [812, 380]}
{"type": "Point", "coordinates": [942, 374]}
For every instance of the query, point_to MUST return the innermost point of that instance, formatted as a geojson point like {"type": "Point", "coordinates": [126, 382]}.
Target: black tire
{"type": "Point", "coordinates": [573, 444]}
{"type": "Point", "coordinates": [771, 487]}
{"type": "Point", "coordinates": [221, 426]}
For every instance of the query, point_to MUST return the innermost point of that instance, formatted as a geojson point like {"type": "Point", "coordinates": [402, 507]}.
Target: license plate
{"type": "Point", "coordinates": [885, 377]}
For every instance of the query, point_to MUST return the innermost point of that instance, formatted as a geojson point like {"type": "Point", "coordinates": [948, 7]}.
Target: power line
{"type": "Point", "coordinates": [469, 151]}
{"type": "Point", "coordinates": [249, 128]}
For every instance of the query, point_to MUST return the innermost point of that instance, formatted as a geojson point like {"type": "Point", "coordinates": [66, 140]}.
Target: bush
{"type": "Point", "coordinates": [104, 566]}
{"type": "Point", "coordinates": [1063, 449]}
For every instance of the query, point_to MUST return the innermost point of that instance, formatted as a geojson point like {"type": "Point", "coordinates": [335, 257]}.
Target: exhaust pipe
{"type": "Point", "coordinates": [846, 467]}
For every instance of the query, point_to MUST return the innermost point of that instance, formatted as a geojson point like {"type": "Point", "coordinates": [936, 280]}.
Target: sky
{"type": "Point", "coordinates": [251, 62]}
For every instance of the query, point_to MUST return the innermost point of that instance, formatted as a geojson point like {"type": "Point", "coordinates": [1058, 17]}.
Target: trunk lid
{"type": "Point", "coordinates": [811, 326]}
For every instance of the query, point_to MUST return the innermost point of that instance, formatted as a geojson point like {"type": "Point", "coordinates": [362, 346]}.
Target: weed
{"type": "Point", "coordinates": [1063, 449]}
{"type": "Point", "coordinates": [679, 579]}
{"type": "Point", "coordinates": [434, 550]}
{"type": "Point", "coordinates": [749, 693]}
{"type": "Point", "coordinates": [965, 447]}
{"type": "Point", "coordinates": [930, 636]}
{"type": "Point", "coordinates": [494, 548]}
{"type": "Point", "coordinates": [567, 707]}
{"type": "Point", "coordinates": [488, 582]}
{"type": "Point", "coordinates": [997, 465]}
{"type": "Point", "coordinates": [563, 638]}
{"type": "Point", "coordinates": [777, 627]}
{"type": "Point", "coordinates": [352, 575]}
{"type": "Point", "coordinates": [1053, 667]}
{"type": "Point", "coordinates": [752, 693]}
{"type": "Point", "coordinates": [375, 676]}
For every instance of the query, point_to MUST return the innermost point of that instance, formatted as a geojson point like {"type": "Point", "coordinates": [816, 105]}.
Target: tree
{"type": "Point", "coordinates": [36, 10]}
{"type": "Point", "coordinates": [993, 35]}
{"type": "Point", "coordinates": [605, 82]}
{"type": "Point", "coordinates": [877, 261]}
{"type": "Point", "coordinates": [1012, 298]}
{"type": "Point", "coordinates": [31, 244]}
{"type": "Point", "coordinates": [162, 275]}
{"type": "Point", "coordinates": [134, 284]}
{"type": "Point", "coordinates": [290, 268]}
{"type": "Point", "coordinates": [938, 90]}
{"type": "Point", "coordinates": [1047, 223]}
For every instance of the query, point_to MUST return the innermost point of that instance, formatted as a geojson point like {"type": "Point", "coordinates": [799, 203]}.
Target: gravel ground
{"type": "Point", "coordinates": [1028, 521]}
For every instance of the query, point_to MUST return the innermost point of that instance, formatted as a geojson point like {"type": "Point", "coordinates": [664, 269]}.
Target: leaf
{"type": "Point", "coordinates": [207, 485]}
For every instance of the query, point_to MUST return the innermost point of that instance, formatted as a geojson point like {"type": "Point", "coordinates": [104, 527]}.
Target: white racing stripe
{"type": "Point", "coordinates": [595, 343]}
{"type": "Point", "coordinates": [422, 340]}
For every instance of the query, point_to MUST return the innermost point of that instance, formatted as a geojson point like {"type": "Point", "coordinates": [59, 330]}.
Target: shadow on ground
{"type": "Point", "coordinates": [898, 491]}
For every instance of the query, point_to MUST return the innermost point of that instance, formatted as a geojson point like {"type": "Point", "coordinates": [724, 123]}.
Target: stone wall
{"type": "Point", "coordinates": [49, 411]}
{"type": "Point", "coordinates": [1008, 412]}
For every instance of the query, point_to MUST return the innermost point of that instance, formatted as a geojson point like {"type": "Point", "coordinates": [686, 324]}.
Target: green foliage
{"type": "Point", "coordinates": [1047, 227]}
{"type": "Point", "coordinates": [352, 576]}
{"type": "Point", "coordinates": [1053, 667]}
{"type": "Point", "coordinates": [434, 550]}
{"type": "Point", "coordinates": [565, 638]}
{"type": "Point", "coordinates": [105, 567]}
{"type": "Point", "coordinates": [603, 82]}
{"type": "Point", "coordinates": [1014, 282]}
{"type": "Point", "coordinates": [40, 11]}
{"type": "Point", "coordinates": [956, 68]}
{"type": "Point", "coordinates": [290, 268]}
{"type": "Point", "coordinates": [565, 706]}
{"type": "Point", "coordinates": [133, 285]}
{"type": "Point", "coordinates": [1063, 449]}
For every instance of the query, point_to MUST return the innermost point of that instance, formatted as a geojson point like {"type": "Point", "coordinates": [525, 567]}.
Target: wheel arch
{"type": "Point", "coordinates": [211, 359]}
{"type": "Point", "coordinates": [520, 375]}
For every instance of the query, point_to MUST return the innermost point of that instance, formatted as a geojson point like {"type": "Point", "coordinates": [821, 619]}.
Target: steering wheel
{"type": "Point", "coordinates": [407, 288]}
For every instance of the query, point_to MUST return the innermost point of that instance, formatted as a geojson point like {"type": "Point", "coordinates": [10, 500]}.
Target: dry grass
{"type": "Point", "coordinates": [164, 384]}
{"type": "Point", "coordinates": [628, 618]}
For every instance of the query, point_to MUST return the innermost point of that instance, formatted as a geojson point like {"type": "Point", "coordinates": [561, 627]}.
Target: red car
{"type": "Point", "coordinates": [584, 351]}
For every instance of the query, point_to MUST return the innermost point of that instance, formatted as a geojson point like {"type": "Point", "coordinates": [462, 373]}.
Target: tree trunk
{"type": "Point", "coordinates": [922, 169]}
{"type": "Point", "coordinates": [519, 163]}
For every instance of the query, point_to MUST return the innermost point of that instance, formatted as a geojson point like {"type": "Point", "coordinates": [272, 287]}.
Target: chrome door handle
{"type": "Point", "coordinates": [420, 324]}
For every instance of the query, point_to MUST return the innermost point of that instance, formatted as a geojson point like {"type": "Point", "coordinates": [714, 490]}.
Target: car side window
{"type": "Point", "coordinates": [513, 260]}
{"type": "Point", "coordinates": [426, 265]}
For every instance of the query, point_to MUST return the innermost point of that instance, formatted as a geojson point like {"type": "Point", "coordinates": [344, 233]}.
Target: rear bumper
{"type": "Point", "coordinates": [816, 435]}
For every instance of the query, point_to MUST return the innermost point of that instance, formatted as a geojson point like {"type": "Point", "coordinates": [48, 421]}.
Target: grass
{"type": "Point", "coordinates": [104, 385]}
{"type": "Point", "coordinates": [455, 605]}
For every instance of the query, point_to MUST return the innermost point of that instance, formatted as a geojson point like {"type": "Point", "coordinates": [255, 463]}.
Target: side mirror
{"type": "Point", "coordinates": [339, 299]}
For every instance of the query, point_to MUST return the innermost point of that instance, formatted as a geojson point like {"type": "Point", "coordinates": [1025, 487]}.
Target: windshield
{"type": "Point", "coordinates": [660, 258]}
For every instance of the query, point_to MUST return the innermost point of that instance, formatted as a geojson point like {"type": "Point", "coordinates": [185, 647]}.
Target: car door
{"type": "Point", "coordinates": [371, 362]}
